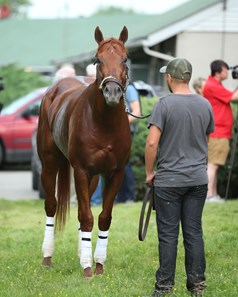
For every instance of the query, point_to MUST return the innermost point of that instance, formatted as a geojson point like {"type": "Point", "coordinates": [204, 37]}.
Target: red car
{"type": "Point", "coordinates": [17, 123]}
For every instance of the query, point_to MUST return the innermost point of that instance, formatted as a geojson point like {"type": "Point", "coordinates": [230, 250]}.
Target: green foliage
{"type": "Point", "coordinates": [138, 147]}
{"type": "Point", "coordinates": [110, 10]}
{"type": "Point", "coordinates": [18, 82]}
{"type": "Point", "coordinates": [131, 264]}
{"type": "Point", "coordinates": [15, 4]}
{"type": "Point", "coordinates": [224, 170]}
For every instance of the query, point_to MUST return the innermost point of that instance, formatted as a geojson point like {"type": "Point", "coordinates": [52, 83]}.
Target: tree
{"type": "Point", "coordinates": [112, 10]}
{"type": "Point", "coordinates": [13, 5]}
{"type": "Point", "coordinates": [17, 82]}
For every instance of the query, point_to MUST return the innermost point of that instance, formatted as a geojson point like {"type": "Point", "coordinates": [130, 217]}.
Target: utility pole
{"type": "Point", "coordinates": [223, 33]}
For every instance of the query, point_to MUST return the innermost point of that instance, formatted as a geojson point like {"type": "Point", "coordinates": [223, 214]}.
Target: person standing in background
{"type": "Point", "coordinates": [127, 190]}
{"type": "Point", "coordinates": [218, 145]}
{"type": "Point", "coordinates": [91, 70]}
{"type": "Point", "coordinates": [179, 127]}
{"type": "Point", "coordinates": [198, 85]}
{"type": "Point", "coordinates": [66, 70]}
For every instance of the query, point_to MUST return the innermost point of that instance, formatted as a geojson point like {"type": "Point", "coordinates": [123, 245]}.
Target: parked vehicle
{"type": "Point", "coordinates": [36, 168]}
{"type": "Point", "coordinates": [18, 120]}
{"type": "Point", "coordinates": [144, 89]}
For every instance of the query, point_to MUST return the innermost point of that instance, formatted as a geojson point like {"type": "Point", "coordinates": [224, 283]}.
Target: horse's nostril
{"type": "Point", "coordinates": [106, 91]}
{"type": "Point", "coordinates": [119, 91]}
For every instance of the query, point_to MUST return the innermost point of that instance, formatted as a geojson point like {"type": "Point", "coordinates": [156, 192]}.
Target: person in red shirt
{"type": "Point", "coordinates": [218, 145]}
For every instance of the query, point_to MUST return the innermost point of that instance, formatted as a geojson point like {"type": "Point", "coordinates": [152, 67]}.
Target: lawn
{"type": "Point", "coordinates": [131, 264]}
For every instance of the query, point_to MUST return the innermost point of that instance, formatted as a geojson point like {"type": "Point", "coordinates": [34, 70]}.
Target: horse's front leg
{"type": "Point", "coordinates": [85, 218]}
{"type": "Point", "coordinates": [104, 221]}
{"type": "Point", "coordinates": [49, 182]}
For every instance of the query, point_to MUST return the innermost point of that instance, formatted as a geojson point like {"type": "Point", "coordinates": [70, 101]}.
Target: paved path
{"type": "Point", "coordinates": [16, 185]}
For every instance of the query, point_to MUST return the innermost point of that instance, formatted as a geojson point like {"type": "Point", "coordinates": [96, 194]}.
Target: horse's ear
{"type": "Point", "coordinates": [124, 35]}
{"type": "Point", "coordinates": [98, 35]}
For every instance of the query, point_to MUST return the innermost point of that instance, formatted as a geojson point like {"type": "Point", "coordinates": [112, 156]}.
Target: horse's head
{"type": "Point", "coordinates": [112, 70]}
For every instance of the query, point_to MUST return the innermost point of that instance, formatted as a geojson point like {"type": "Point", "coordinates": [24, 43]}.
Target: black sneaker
{"type": "Point", "coordinates": [198, 290]}
{"type": "Point", "coordinates": [160, 293]}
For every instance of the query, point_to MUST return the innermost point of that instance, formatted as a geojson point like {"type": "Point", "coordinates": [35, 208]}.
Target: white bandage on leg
{"type": "Point", "coordinates": [79, 242]}
{"type": "Point", "coordinates": [100, 253]}
{"type": "Point", "coordinates": [86, 249]}
{"type": "Point", "coordinates": [48, 243]}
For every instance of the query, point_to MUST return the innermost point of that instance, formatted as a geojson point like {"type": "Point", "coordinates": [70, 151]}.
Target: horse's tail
{"type": "Point", "coordinates": [63, 193]}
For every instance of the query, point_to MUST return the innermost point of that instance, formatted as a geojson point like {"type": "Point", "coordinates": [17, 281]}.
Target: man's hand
{"type": "Point", "coordinates": [150, 179]}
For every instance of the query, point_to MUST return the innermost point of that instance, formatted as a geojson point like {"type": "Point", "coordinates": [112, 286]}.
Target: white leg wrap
{"type": "Point", "coordinates": [100, 253]}
{"type": "Point", "coordinates": [86, 249]}
{"type": "Point", "coordinates": [48, 243]}
{"type": "Point", "coordinates": [79, 242]}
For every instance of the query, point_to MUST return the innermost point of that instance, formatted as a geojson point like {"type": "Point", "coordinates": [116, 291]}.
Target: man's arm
{"type": "Point", "coordinates": [135, 110]}
{"type": "Point", "coordinates": [151, 147]}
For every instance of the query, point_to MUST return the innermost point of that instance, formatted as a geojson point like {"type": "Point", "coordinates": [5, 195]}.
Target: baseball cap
{"type": "Point", "coordinates": [178, 68]}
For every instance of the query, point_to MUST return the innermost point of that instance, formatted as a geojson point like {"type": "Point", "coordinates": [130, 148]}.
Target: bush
{"type": "Point", "coordinates": [138, 148]}
{"type": "Point", "coordinates": [18, 82]}
{"type": "Point", "coordinates": [224, 170]}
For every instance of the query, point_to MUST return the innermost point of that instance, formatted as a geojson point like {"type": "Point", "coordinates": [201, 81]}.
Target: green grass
{"type": "Point", "coordinates": [130, 266]}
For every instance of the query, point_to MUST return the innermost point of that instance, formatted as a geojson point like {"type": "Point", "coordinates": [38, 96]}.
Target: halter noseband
{"type": "Point", "coordinates": [111, 78]}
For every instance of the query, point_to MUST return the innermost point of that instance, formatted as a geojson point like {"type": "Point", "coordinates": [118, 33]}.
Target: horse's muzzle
{"type": "Point", "coordinates": [112, 92]}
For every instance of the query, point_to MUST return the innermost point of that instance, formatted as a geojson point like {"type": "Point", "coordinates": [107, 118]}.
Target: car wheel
{"type": "Point", "coordinates": [1, 155]}
{"type": "Point", "coordinates": [41, 189]}
{"type": "Point", "coordinates": [35, 179]}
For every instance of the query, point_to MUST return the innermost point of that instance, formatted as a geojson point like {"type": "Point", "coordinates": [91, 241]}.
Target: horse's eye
{"type": "Point", "coordinates": [125, 61]}
{"type": "Point", "coordinates": [97, 61]}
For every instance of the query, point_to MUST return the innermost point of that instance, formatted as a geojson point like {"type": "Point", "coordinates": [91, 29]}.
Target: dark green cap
{"type": "Point", "coordinates": [178, 68]}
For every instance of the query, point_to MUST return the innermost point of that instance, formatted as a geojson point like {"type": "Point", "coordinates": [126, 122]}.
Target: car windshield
{"type": "Point", "coordinates": [14, 106]}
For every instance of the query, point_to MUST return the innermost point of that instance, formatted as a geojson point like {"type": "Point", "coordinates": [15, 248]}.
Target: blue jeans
{"type": "Point", "coordinates": [173, 205]}
{"type": "Point", "coordinates": [127, 189]}
{"type": "Point", "coordinates": [97, 194]}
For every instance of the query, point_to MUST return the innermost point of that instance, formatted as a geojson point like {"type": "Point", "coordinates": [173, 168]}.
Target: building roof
{"type": "Point", "coordinates": [38, 43]}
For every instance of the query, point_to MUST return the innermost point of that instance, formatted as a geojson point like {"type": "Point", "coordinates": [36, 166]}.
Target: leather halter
{"type": "Point", "coordinates": [111, 78]}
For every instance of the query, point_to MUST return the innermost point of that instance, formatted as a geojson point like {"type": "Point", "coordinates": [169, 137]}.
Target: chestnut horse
{"type": "Point", "coordinates": [86, 128]}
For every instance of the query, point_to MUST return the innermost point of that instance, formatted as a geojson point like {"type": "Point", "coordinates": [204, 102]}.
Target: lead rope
{"type": "Point", "coordinates": [131, 114]}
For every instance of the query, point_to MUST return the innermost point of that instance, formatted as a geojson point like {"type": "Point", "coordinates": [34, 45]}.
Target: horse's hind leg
{"type": "Point", "coordinates": [48, 176]}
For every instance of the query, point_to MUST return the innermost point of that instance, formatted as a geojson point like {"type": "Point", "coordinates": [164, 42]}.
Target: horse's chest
{"type": "Point", "coordinates": [109, 156]}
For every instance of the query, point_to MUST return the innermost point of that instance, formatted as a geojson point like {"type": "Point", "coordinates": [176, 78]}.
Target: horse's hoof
{"type": "Point", "coordinates": [99, 269]}
{"type": "Point", "coordinates": [47, 262]}
{"type": "Point", "coordinates": [87, 272]}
